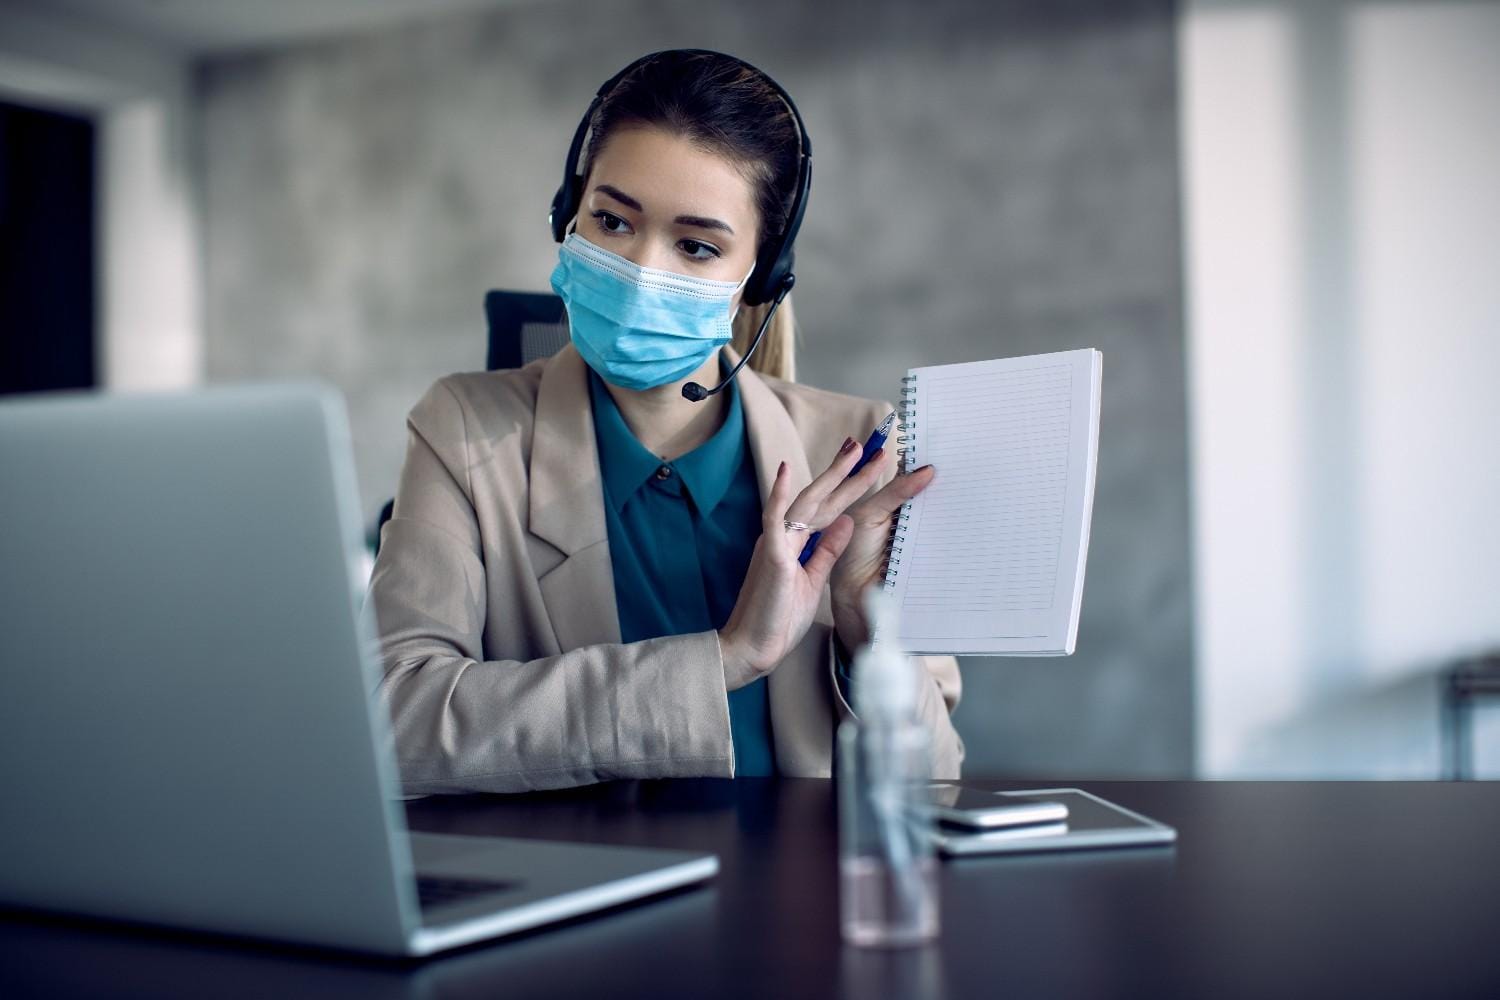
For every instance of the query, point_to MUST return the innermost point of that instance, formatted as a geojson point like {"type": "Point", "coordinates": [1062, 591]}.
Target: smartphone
{"type": "Point", "coordinates": [976, 809]}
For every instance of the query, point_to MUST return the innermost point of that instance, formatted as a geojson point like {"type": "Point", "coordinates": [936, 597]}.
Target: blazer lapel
{"type": "Point", "coordinates": [567, 506]}
{"type": "Point", "coordinates": [773, 436]}
{"type": "Point", "coordinates": [802, 711]}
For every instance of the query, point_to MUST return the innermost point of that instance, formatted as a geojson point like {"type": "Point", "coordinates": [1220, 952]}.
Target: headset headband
{"type": "Point", "coordinates": [774, 262]}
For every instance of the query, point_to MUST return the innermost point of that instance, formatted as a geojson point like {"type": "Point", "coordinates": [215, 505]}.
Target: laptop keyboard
{"type": "Point", "coordinates": [438, 890]}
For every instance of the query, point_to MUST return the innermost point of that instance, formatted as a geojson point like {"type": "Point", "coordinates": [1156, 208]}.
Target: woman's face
{"type": "Point", "coordinates": [660, 201]}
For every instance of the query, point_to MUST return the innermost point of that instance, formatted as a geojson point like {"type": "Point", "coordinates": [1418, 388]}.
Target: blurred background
{"type": "Point", "coordinates": [1280, 222]}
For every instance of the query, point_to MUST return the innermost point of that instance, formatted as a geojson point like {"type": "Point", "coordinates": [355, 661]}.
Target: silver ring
{"type": "Point", "coordinates": [795, 525]}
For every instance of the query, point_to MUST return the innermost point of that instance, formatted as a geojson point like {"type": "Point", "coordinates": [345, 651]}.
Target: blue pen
{"type": "Point", "coordinates": [876, 442]}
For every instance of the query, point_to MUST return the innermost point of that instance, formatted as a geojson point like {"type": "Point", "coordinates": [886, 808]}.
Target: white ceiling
{"type": "Point", "coordinates": [200, 27]}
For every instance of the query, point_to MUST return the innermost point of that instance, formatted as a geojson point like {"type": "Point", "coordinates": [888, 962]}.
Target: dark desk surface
{"type": "Point", "coordinates": [1274, 890]}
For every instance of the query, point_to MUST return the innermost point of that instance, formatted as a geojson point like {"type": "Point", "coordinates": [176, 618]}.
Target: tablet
{"type": "Point", "coordinates": [1092, 823]}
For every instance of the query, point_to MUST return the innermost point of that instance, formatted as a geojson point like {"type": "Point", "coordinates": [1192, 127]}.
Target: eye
{"type": "Point", "coordinates": [610, 223]}
{"type": "Point", "coordinates": [692, 248]}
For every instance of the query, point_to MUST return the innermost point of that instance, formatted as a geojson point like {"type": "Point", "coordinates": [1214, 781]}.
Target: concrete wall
{"type": "Point", "coordinates": [990, 179]}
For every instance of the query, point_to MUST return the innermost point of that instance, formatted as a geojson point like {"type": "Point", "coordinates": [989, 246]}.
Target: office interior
{"type": "Point", "coordinates": [1278, 221]}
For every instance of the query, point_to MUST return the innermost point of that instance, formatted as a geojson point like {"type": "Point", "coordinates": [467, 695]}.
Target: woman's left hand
{"type": "Point", "coordinates": [863, 561]}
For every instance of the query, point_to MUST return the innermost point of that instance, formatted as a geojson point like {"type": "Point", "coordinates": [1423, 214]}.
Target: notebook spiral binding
{"type": "Point", "coordinates": [906, 418]}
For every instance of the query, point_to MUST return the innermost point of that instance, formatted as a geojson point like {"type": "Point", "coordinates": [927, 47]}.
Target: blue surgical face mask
{"type": "Point", "coordinates": [640, 327]}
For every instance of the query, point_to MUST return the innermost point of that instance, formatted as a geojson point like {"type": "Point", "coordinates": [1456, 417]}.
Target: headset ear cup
{"type": "Point", "coordinates": [771, 269]}
{"type": "Point", "coordinates": [555, 215]}
{"type": "Point", "coordinates": [564, 207]}
{"type": "Point", "coordinates": [778, 260]}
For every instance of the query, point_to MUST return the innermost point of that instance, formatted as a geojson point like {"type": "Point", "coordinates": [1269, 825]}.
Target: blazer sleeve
{"type": "Point", "coordinates": [939, 687]}
{"type": "Point", "coordinates": [654, 708]}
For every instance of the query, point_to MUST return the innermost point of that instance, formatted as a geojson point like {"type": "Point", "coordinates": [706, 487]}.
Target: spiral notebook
{"type": "Point", "coordinates": [989, 558]}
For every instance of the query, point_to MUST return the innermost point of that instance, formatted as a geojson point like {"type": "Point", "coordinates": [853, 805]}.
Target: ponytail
{"type": "Point", "coordinates": [777, 354]}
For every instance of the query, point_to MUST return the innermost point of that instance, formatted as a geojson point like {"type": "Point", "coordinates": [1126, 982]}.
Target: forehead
{"type": "Point", "coordinates": [670, 175]}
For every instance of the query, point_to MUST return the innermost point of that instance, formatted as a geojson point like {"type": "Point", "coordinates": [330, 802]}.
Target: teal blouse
{"type": "Point", "coordinates": [680, 538]}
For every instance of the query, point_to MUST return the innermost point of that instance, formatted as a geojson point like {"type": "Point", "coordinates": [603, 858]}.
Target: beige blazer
{"type": "Point", "coordinates": [494, 598]}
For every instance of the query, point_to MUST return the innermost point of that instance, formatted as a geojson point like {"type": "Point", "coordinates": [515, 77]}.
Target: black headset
{"type": "Point", "coordinates": [772, 277]}
{"type": "Point", "coordinates": [773, 265]}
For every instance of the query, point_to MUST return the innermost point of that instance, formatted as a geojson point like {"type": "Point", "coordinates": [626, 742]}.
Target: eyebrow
{"type": "Point", "coordinates": [700, 221]}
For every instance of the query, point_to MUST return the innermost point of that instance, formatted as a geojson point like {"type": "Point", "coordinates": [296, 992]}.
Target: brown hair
{"type": "Point", "coordinates": [726, 106]}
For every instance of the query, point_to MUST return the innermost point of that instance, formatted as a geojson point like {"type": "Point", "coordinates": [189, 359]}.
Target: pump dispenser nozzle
{"type": "Point", "coordinates": [884, 682]}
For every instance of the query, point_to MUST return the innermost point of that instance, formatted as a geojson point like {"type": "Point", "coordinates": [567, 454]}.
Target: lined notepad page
{"type": "Point", "coordinates": [993, 550]}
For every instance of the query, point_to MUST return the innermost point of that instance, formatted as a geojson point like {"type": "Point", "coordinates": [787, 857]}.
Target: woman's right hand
{"type": "Point", "coordinates": [780, 595]}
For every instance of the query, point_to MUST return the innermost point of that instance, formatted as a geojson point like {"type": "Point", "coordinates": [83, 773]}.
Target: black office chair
{"type": "Point", "coordinates": [523, 326]}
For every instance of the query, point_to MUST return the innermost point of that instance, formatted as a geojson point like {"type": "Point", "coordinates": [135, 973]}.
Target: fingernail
{"type": "Point", "coordinates": [848, 443]}
{"type": "Point", "coordinates": [780, 469]}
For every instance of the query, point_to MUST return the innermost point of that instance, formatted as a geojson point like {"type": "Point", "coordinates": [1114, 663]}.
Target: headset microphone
{"type": "Point", "coordinates": [696, 392]}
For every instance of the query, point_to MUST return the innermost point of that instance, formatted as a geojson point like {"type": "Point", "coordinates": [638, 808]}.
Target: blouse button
{"type": "Point", "coordinates": [664, 472]}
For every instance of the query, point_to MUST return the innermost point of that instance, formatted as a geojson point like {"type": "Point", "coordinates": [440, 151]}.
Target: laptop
{"type": "Point", "coordinates": [190, 730]}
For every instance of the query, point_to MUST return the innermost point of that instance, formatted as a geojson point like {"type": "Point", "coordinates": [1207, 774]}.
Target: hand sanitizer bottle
{"type": "Point", "coordinates": [888, 876]}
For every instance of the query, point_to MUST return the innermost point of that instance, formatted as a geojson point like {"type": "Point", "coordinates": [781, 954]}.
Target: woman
{"type": "Point", "coordinates": [588, 576]}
